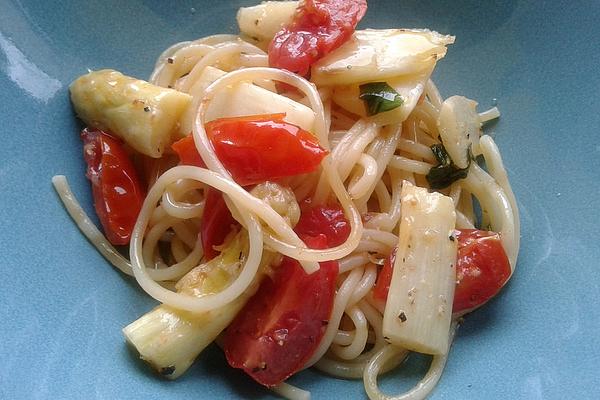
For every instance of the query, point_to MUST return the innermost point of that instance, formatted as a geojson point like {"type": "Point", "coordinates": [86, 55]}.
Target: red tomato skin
{"type": "Point", "coordinates": [328, 220]}
{"type": "Point", "coordinates": [216, 223]}
{"type": "Point", "coordinates": [482, 268]}
{"type": "Point", "coordinates": [318, 27]}
{"type": "Point", "coordinates": [281, 326]}
{"type": "Point", "coordinates": [118, 193]}
{"type": "Point", "coordinates": [259, 148]}
{"type": "Point", "coordinates": [187, 152]}
{"type": "Point", "coordinates": [217, 220]}
{"type": "Point", "coordinates": [382, 286]}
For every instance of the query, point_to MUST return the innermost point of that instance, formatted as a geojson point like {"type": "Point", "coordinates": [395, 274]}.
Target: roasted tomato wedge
{"type": "Point", "coordinates": [216, 223]}
{"type": "Point", "coordinates": [318, 27]}
{"type": "Point", "coordinates": [264, 147]}
{"type": "Point", "coordinates": [281, 326]}
{"type": "Point", "coordinates": [482, 268]}
{"type": "Point", "coordinates": [118, 194]}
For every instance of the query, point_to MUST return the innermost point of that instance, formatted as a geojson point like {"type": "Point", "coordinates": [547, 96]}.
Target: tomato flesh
{"type": "Point", "coordinates": [281, 326]}
{"type": "Point", "coordinates": [482, 268]}
{"type": "Point", "coordinates": [216, 218]}
{"type": "Point", "coordinates": [327, 220]}
{"type": "Point", "coordinates": [187, 152]}
{"type": "Point", "coordinates": [118, 194]}
{"type": "Point", "coordinates": [216, 223]}
{"type": "Point", "coordinates": [259, 148]}
{"type": "Point", "coordinates": [318, 27]}
{"type": "Point", "coordinates": [382, 286]}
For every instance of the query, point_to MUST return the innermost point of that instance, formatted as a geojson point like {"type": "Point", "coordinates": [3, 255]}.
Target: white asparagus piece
{"type": "Point", "coordinates": [380, 54]}
{"type": "Point", "coordinates": [246, 98]}
{"type": "Point", "coordinates": [205, 79]}
{"type": "Point", "coordinates": [419, 306]}
{"type": "Point", "coordinates": [142, 114]}
{"type": "Point", "coordinates": [460, 127]}
{"type": "Point", "coordinates": [410, 87]}
{"type": "Point", "coordinates": [263, 21]}
{"type": "Point", "coordinates": [170, 339]}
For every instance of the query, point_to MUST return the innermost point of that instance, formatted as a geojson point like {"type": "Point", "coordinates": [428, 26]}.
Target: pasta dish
{"type": "Point", "coordinates": [301, 194]}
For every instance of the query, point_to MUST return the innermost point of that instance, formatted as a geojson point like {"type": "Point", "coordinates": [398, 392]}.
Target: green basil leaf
{"type": "Point", "coordinates": [445, 173]}
{"type": "Point", "coordinates": [379, 97]}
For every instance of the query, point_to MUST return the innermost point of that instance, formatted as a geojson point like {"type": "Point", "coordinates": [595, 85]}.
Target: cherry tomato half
{"type": "Point", "coordinates": [265, 147]}
{"type": "Point", "coordinates": [256, 148]}
{"type": "Point", "coordinates": [482, 268]}
{"type": "Point", "coordinates": [118, 194]}
{"type": "Point", "coordinates": [318, 27]}
{"type": "Point", "coordinates": [327, 220]}
{"type": "Point", "coordinates": [281, 326]}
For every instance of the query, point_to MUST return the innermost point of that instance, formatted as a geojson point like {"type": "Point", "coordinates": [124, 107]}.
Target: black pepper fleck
{"type": "Point", "coordinates": [402, 316]}
{"type": "Point", "coordinates": [451, 238]}
{"type": "Point", "coordinates": [170, 60]}
{"type": "Point", "coordinates": [147, 109]}
{"type": "Point", "coordinates": [167, 370]}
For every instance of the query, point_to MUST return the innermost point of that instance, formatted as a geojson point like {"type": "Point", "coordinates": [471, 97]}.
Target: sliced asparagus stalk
{"type": "Point", "coordinates": [170, 339]}
{"type": "Point", "coordinates": [460, 128]}
{"type": "Point", "coordinates": [142, 114]}
{"type": "Point", "coordinates": [263, 21]}
{"type": "Point", "coordinates": [419, 306]}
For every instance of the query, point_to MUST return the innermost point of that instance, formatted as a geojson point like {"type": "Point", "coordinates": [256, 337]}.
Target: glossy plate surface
{"type": "Point", "coordinates": [62, 306]}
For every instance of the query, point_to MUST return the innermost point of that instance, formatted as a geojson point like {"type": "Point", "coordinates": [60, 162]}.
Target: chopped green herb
{"type": "Point", "coordinates": [445, 173]}
{"type": "Point", "coordinates": [379, 97]}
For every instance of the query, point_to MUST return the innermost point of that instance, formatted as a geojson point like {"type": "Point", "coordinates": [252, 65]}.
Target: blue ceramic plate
{"type": "Point", "coordinates": [62, 306]}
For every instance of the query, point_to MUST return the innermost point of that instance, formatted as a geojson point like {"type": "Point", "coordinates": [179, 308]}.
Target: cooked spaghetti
{"type": "Point", "coordinates": [398, 183]}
